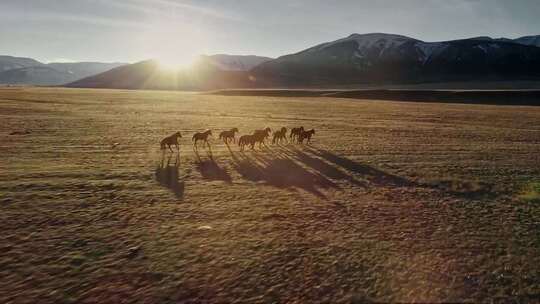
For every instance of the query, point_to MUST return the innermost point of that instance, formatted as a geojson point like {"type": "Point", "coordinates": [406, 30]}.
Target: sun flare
{"type": "Point", "coordinates": [181, 62]}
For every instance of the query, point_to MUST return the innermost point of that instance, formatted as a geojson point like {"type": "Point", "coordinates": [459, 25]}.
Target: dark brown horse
{"type": "Point", "coordinates": [202, 136]}
{"type": "Point", "coordinates": [228, 135]}
{"type": "Point", "coordinates": [245, 140]}
{"type": "Point", "coordinates": [260, 135]}
{"type": "Point", "coordinates": [171, 141]}
{"type": "Point", "coordinates": [295, 133]}
{"type": "Point", "coordinates": [306, 135]}
{"type": "Point", "coordinates": [280, 135]}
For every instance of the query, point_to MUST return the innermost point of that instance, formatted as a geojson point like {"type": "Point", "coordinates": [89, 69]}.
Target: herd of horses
{"type": "Point", "coordinates": [258, 137]}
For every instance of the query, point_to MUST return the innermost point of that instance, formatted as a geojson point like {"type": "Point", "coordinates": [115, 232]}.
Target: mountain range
{"type": "Point", "coordinates": [20, 70]}
{"type": "Point", "coordinates": [207, 73]}
{"type": "Point", "coordinates": [233, 62]}
{"type": "Point", "coordinates": [375, 58]}
{"type": "Point", "coordinates": [387, 58]}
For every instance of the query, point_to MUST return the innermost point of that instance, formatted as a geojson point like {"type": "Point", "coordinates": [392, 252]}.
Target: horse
{"type": "Point", "coordinates": [245, 140]}
{"type": "Point", "coordinates": [260, 135]}
{"type": "Point", "coordinates": [279, 136]}
{"type": "Point", "coordinates": [306, 135]}
{"type": "Point", "coordinates": [228, 135]}
{"type": "Point", "coordinates": [171, 140]}
{"type": "Point", "coordinates": [201, 136]}
{"type": "Point", "coordinates": [265, 132]}
{"type": "Point", "coordinates": [295, 133]}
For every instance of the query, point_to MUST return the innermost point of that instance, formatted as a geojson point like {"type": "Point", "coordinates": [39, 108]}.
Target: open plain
{"type": "Point", "coordinates": [392, 201]}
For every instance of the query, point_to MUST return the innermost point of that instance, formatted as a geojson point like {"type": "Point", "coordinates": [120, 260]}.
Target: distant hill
{"type": "Point", "coordinates": [35, 75]}
{"type": "Point", "coordinates": [10, 63]}
{"type": "Point", "coordinates": [387, 58]}
{"type": "Point", "coordinates": [149, 75]}
{"type": "Point", "coordinates": [19, 70]}
{"type": "Point", "coordinates": [529, 40]}
{"type": "Point", "coordinates": [235, 62]}
{"type": "Point", "coordinates": [81, 70]}
{"type": "Point", "coordinates": [359, 59]}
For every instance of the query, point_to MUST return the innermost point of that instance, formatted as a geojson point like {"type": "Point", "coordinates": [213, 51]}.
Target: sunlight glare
{"type": "Point", "coordinates": [175, 63]}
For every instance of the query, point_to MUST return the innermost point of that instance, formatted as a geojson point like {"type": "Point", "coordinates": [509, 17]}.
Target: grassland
{"type": "Point", "coordinates": [393, 201]}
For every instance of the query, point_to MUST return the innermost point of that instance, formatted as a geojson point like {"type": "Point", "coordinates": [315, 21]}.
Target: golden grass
{"type": "Point", "coordinates": [404, 202]}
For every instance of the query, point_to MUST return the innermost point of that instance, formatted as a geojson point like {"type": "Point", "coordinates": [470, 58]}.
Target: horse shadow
{"type": "Point", "coordinates": [321, 166]}
{"type": "Point", "coordinates": [210, 169]}
{"type": "Point", "coordinates": [374, 175]}
{"type": "Point", "coordinates": [167, 176]}
{"type": "Point", "coordinates": [281, 172]}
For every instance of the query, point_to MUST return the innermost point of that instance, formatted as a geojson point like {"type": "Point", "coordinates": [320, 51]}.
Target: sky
{"type": "Point", "coordinates": [134, 30]}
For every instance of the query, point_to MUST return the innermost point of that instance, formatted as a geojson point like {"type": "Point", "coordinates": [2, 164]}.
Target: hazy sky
{"type": "Point", "coordinates": [133, 30]}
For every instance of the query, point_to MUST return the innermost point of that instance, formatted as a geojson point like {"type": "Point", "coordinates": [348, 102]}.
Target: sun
{"type": "Point", "coordinates": [175, 63]}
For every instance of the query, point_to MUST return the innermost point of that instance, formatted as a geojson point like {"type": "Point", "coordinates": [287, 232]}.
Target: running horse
{"type": "Point", "coordinates": [202, 136]}
{"type": "Point", "coordinates": [306, 135]}
{"type": "Point", "coordinates": [228, 135]}
{"type": "Point", "coordinates": [295, 133]}
{"type": "Point", "coordinates": [171, 141]}
{"type": "Point", "coordinates": [260, 135]}
{"type": "Point", "coordinates": [279, 136]}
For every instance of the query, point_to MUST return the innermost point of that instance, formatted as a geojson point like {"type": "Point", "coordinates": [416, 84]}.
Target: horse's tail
{"type": "Point", "coordinates": [194, 136]}
{"type": "Point", "coordinates": [162, 145]}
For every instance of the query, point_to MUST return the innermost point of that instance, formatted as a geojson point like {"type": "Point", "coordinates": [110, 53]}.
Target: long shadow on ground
{"type": "Point", "coordinates": [280, 172]}
{"type": "Point", "coordinates": [313, 169]}
{"type": "Point", "coordinates": [468, 189]}
{"type": "Point", "coordinates": [210, 170]}
{"type": "Point", "coordinates": [167, 176]}
{"type": "Point", "coordinates": [374, 175]}
{"type": "Point", "coordinates": [319, 165]}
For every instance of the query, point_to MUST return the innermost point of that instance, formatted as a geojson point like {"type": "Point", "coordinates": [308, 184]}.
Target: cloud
{"type": "Point", "coordinates": [168, 6]}
{"type": "Point", "coordinates": [69, 17]}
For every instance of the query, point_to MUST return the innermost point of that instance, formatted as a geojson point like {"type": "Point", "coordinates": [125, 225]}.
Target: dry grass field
{"type": "Point", "coordinates": [393, 201]}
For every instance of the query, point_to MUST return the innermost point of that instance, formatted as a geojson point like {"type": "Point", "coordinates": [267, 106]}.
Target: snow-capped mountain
{"type": "Point", "coordinates": [526, 40]}
{"type": "Point", "coordinates": [389, 58]}
{"type": "Point", "coordinates": [235, 62]}
{"type": "Point", "coordinates": [358, 58]}
{"type": "Point", "coordinates": [529, 40]}
{"type": "Point", "coordinates": [367, 42]}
